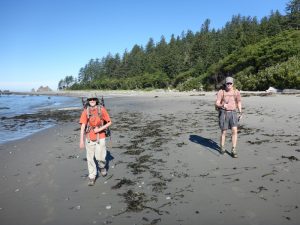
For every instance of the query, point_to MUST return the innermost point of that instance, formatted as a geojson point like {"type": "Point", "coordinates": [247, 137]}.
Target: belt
{"type": "Point", "coordinates": [229, 110]}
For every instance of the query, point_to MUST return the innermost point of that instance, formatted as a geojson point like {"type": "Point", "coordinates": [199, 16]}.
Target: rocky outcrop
{"type": "Point", "coordinates": [5, 92]}
{"type": "Point", "coordinates": [43, 89]}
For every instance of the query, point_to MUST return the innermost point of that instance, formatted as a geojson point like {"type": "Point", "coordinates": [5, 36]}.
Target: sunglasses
{"type": "Point", "coordinates": [229, 83]}
{"type": "Point", "coordinates": [92, 99]}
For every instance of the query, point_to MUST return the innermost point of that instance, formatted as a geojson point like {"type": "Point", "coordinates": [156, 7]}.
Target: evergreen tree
{"type": "Point", "coordinates": [135, 61]}
{"type": "Point", "coordinates": [243, 48]}
{"type": "Point", "coordinates": [293, 13]}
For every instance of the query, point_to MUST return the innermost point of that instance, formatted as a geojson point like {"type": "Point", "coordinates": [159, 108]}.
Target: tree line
{"type": "Point", "coordinates": [258, 54]}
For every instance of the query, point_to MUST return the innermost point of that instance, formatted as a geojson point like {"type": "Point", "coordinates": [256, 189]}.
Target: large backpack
{"type": "Point", "coordinates": [99, 108]}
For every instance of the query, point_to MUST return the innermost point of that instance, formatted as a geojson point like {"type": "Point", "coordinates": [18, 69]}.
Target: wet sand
{"type": "Point", "coordinates": [164, 166]}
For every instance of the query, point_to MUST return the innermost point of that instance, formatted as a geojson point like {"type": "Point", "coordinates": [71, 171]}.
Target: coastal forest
{"type": "Point", "coordinates": [258, 53]}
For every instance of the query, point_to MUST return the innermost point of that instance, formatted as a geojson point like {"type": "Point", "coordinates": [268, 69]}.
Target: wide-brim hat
{"type": "Point", "coordinates": [92, 95]}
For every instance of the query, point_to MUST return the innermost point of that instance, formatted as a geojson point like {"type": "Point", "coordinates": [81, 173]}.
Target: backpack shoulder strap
{"type": "Point", "coordinates": [235, 93]}
{"type": "Point", "coordinates": [235, 96]}
{"type": "Point", "coordinates": [223, 95]}
{"type": "Point", "coordinates": [99, 109]}
{"type": "Point", "coordinates": [88, 112]}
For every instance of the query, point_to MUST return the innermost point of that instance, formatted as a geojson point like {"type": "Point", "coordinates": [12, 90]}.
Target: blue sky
{"type": "Point", "coordinates": [42, 41]}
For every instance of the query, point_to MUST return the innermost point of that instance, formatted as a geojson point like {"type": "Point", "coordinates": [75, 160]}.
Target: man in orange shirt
{"type": "Point", "coordinates": [94, 121]}
{"type": "Point", "coordinates": [228, 102]}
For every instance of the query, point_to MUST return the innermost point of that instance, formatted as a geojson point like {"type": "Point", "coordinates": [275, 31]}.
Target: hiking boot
{"type": "Point", "coordinates": [233, 153]}
{"type": "Point", "coordinates": [103, 172]}
{"type": "Point", "coordinates": [91, 182]}
{"type": "Point", "coordinates": [222, 150]}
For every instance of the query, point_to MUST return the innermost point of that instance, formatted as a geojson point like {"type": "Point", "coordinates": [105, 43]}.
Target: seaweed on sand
{"type": "Point", "coordinates": [243, 130]}
{"type": "Point", "coordinates": [122, 182]}
{"type": "Point", "coordinates": [56, 115]}
{"type": "Point", "coordinates": [258, 142]}
{"type": "Point", "coordinates": [291, 158]}
{"type": "Point", "coordinates": [138, 166]}
{"type": "Point", "coordinates": [159, 186]}
{"type": "Point", "coordinates": [260, 189]}
{"type": "Point", "coordinates": [136, 202]}
{"type": "Point", "coordinates": [134, 149]}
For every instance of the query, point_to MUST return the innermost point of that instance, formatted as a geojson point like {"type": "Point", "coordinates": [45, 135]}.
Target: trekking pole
{"type": "Point", "coordinates": [109, 145]}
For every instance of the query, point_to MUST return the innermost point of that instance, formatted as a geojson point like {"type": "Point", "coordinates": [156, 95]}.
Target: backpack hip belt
{"type": "Point", "coordinates": [87, 134]}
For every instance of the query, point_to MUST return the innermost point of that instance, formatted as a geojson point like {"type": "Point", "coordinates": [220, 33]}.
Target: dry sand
{"type": "Point", "coordinates": [164, 167]}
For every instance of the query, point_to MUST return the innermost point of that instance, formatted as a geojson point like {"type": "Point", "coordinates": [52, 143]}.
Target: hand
{"type": "Point", "coordinates": [97, 129]}
{"type": "Point", "coordinates": [240, 116]}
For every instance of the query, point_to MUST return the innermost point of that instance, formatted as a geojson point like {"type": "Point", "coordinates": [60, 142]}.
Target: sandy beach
{"type": "Point", "coordinates": [164, 166]}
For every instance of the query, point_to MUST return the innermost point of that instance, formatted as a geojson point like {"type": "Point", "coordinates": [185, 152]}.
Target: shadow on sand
{"type": "Point", "coordinates": [207, 143]}
{"type": "Point", "coordinates": [108, 158]}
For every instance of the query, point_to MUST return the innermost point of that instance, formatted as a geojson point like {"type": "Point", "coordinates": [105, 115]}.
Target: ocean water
{"type": "Point", "coordinates": [13, 128]}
